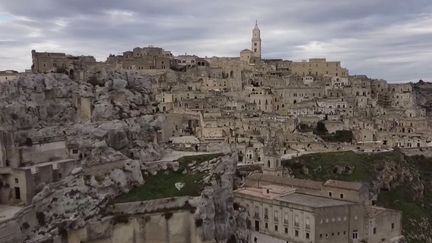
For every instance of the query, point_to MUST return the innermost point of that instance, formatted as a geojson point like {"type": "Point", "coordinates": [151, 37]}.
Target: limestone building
{"type": "Point", "coordinates": [8, 75]}
{"type": "Point", "coordinates": [46, 62]}
{"type": "Point", "coordinates": [256, 41]}
{"type": "Point", "coordinates": [142, 59]}
{"type": "Point", "coordinates": [281, 210]}
{"type": "Point", "coordinates": [253, 55]}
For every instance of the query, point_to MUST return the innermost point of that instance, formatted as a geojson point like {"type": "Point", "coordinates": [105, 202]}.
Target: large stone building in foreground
{"type": "Point", "coordinates": [287, 210]}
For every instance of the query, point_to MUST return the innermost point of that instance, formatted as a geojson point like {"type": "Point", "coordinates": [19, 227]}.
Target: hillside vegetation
{"type": "Point", "coordinates": [162, 185]}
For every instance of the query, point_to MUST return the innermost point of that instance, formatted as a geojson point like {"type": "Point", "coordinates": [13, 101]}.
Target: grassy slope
{"type": "Point", "coordinates": [321, 165]}
{"type": "Point", "coordinates": [366, 167]}
{"type": "Point", "coordinates": [162, 184]}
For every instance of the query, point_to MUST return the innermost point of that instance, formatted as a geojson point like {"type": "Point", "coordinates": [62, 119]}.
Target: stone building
{"type": "Point", "coordinates": [253, 55]}
{"type": "Point", "coordinates": [46, 62]}
{"type": "Point", "coordinates": [8, 75]}
{"type": "Point", "coordinates": [317, 67]}
{"type": "Point", "coordinates": [142, 59]}
{"type": "Point", "coordinates": [26, 168]}
{"type": "Point", "coordinates": [189, 61]}
{"type": "Point", "coordinates": [281, 210]}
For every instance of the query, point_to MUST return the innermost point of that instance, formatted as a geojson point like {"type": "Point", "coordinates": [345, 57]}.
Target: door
{"type": "Point", "coordinates": [17, 193]}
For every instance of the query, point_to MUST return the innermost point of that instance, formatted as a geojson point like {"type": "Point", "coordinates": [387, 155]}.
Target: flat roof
{"type": "Point", "coordinates": [8, 212]}
{"type": "Point", "coordinates": [312, 201]}
{"type": "Point", "coordinates": [344, 184]}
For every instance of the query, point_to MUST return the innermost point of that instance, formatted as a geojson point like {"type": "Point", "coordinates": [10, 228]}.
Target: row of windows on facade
{"type": "Point", "coordinates": [316, 73]}
{"type": "Point", "coordinates": [276, 228]}
{"type": "Point", "coordinates": [142, 68]}
{"type": "Point", "coordinates": [285, 219]}
{"type": "Point", "coordinates": [192, 61]}
{"type": "Point", "coordinates": [296, 217]}
{"type": "Point", "coordinates": [355, 234]}
{"type": "Point", "coordinates": [316, 64]}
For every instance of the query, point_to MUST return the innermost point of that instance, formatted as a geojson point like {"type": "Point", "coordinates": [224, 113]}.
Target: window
{"type": "Point", "coordinates": [266, 225]}
{"type": "Point", "coordinates": [276, 216]}
{"type": "Point", "coordinates": [286, 218]}
{"type": "Point", "coordinates": [286, 230]}
{"type": "Point", "coordinates": [256, 212]}
{"type": "Point", "coordinates": [266, 213]}
{"type": "Point", "coordinates": [296, 233]}
{"type": "Point", "coordinates": [276, 228]}
{"type": "Point", "coordinates": [374, 230]}
{"type": "Point", "coordinates": [392, 226]}
{"type": "Point", "coordinates": [355, 234]}
{"type": "Point", "coordinates": [330, 194]}
{"type": "Point", "coordinates": [307, 223]}
{"type": "Point", "coordinates": [296, 221]}
{"type": "Point", "coordinates": [16, 180]}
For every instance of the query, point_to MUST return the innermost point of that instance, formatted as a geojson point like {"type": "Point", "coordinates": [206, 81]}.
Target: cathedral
{"type": "Point", "coordinates": [253, 55]}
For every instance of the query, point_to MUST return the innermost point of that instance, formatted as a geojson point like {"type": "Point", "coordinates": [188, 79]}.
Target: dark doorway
{"type": "Point", "coordinates": [256, 225]}
{"type": "Point", "coordinates": [17, 193]}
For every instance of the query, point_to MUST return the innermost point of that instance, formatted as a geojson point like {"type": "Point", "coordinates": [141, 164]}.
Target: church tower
{"type": "Point", "coordinates": [256, 41]}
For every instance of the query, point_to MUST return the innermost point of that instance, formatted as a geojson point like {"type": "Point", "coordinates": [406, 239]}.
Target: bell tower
{"type": "Point", "coordinates": [256, 41]}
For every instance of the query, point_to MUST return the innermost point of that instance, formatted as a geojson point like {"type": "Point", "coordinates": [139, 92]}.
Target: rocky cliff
{"type": "Point", "coordinates": [423, 95]}
{"type": "Point", "coordinates": [108, 117]}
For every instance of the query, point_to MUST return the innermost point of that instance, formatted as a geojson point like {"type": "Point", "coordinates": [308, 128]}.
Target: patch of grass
{"type": "Point", "coordinates": [162, 185]}
{"type": "Point", "coordinates": [321, 166]}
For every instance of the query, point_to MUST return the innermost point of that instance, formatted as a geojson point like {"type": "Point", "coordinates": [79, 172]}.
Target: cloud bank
{"type": "Point", "coordinates": [388, 39]}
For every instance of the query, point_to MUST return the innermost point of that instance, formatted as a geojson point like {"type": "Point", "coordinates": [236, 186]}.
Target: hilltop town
{"type": "Point", "coordinates": [79, 137]}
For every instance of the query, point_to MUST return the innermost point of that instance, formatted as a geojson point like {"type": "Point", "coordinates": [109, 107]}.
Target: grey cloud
{"type": "Point", "coordinates": [370, 36]}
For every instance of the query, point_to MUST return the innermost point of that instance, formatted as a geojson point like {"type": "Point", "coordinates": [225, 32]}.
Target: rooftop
{"type": "Point", "coordinates": [7, 212]}
{"type": "Point", "coordinates": [355, 186]}
{"type": "Point", "coordinates": [312, 201]}
{"type": "Point", "coordinates": [293, 182]}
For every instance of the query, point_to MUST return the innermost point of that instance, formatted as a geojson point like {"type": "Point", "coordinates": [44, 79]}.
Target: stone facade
{"type": "Point", "coordinates": [293, 210]}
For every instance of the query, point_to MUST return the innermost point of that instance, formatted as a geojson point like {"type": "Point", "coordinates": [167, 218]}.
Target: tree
{"type": "Point", "coordinates": [321, 128]}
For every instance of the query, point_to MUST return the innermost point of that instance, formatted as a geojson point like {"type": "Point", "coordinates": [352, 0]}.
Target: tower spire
{"type": "Point", "coordinates": [256, 40]}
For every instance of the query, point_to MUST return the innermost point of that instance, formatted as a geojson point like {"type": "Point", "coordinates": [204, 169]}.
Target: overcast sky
{"type": "Point", "coordinates": [390, 39]}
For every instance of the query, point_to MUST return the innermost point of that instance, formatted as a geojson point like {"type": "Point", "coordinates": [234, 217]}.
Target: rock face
{"type": "Point", "coordinates": [422, 93]}
{"type": "Point", "coordinates": [115, 145]}
{"type": "Point", "coordinates": [215, 206]}
{"type": "Point", "coordinates": [118, 95]}
{"type": "Point", "coordinates": [37, 100]}
{"type": "Point", "coordinates": [117, 149]}
{"type": "Point", "coordinates": [207, 218]}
